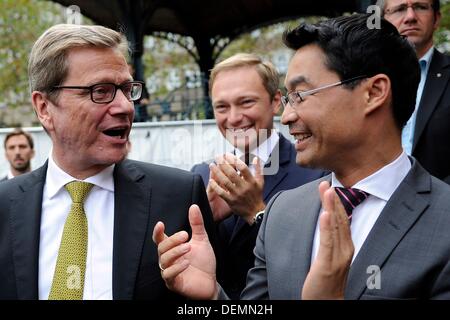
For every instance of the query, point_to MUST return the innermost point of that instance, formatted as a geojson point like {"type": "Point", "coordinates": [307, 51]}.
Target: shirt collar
{"type": "Point", "coordinates": [10, 175]}
{"type": "Point", "coordinates": [383, 182]}
{"type": "Point", "coordinates": [427, 58]}
{"type": "Point", "coordinates": [264, 150]}
{"type": "Point", "coordinates": [58, 178]}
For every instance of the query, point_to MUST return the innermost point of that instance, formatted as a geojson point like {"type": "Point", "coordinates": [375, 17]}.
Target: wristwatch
{"type": "Point", "coordinates": [258, 217]}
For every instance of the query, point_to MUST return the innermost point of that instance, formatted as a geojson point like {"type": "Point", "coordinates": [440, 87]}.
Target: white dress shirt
{"type": "Point", "coordinates": [10, 175]}
{"type": "Point", "coordinates": [263, 151]}
{"type": "Point", "coordinates": [380, 185]}
{"type": "Point", "coordinates": [99, 208]}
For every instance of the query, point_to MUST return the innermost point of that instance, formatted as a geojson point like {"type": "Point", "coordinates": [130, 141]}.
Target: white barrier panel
{"type": "Point", "coordinates": [179, 144]}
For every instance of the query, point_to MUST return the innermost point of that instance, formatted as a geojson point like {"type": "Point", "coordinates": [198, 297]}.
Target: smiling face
{"type": "Point", "coordinates": [87, 137]}
{"type": "Point", "coordinates": [242, 106]}
{"type": "Point", "coordinates": [327, 124]}
{"type": "Point", "coordinates": [417, 26]}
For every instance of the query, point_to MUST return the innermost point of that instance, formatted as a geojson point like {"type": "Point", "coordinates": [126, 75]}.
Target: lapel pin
{"type": "Point", "coordinates": [439, 75]}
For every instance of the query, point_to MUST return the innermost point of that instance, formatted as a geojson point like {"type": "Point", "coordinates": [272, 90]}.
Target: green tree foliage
{"type": "Point", "coordinates": [21, 22]}
{"type": "Point", "coordinates": [442, 36]}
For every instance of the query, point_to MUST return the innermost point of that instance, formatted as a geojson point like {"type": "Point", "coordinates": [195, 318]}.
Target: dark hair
{"type": "Point", "coordinates": [19, 132]}
{"type": "Point", "coordinates": [352, 49]}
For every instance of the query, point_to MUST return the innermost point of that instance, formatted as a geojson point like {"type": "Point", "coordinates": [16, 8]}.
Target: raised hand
{"type": "Point", "coordinates": [232, 180]}
{"type": "Point", "coordinates": [188, 267]}
{"type": "Point", "coordinates": [328, 274]}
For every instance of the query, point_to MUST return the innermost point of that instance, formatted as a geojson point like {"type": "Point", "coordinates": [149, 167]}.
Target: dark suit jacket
{"type": "Point", "coordinates": [432, 130]}
{"type": "Point", "coordinates": [236, 238]}
{"type": "Point", "coordinates": [410, 243]}
{"type": "Point", "coordinates": [144, 194]}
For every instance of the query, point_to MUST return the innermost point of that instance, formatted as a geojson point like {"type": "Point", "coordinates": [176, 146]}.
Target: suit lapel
{"type": "Point", "coordinates": [26, 207]}
{"type": "Point", "coordinates": [402, 210]}
{"type": "Point", "coordinates": [437, 80]}
{"type": "Point", "coordinates": [280, 153]}
{"type": "Point", "coordinates": [305, 229]}
{"type": "Point", "coordinates": [132, 207]}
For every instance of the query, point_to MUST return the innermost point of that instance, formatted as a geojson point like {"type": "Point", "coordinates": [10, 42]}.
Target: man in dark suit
{"type": "Point", "coordinates": [426, 132]}
{"type": "Point", "coordinates": [80, 226]}
{"type": "Point", "coordinates": [347, 100]}
{"type": "Point", "coordinates": [19, 150]}
{"type": "Point", "coordinates": [245, 97]}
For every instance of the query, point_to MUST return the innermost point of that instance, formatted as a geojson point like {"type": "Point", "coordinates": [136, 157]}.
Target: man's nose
{"type": "Point", "coordinates": [410, 14]}
{"type": "Point", "coordinates": [235, 116]}
{"type": "Point", "coordinates": [289, 114]}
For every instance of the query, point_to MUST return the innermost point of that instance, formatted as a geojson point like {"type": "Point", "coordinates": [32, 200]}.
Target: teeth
{"type": "Point", "coordinates": [236, 130]}
{"type": "Point", "coordinates": [301, 137]}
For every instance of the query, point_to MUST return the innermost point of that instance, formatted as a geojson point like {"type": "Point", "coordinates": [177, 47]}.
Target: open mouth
{"type": "Point", "coordinates": [302, 136]}
{"type": "Point", "coordinates": [239, 130]}
{"type": "Point", "coordinates": [119, 132]}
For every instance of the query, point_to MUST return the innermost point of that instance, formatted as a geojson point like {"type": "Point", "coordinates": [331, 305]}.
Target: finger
{"type": "Point", "coordinates": [244, 170]}
{"type": "Point", "coordinates": [196, 222]}
{"type": "Point", "coordinates": [172, 241]}
{"type": "Point", "coordinates": [158, 233]}
{"type": "Point", "coordinates": [259, 177]}
{"type": "Point", "coordinates": [341, 214]}
{"type": "Point", "coordinates": [329, 204]}
{"type": "Point", "coordinates": [221, 178]}
{"type": "Point", "coordinates": [217, 189]}
{"type": "Point", "coordinates": [326, 237]}
{"type": "Point", "coordinates": [171, 256]}
{"type": "Point", "coordinates": [323, 186]}
{"type": "Point", "coordinates": [345, 236]}
{"type": "Point", "coordinates": [174, 270]}
{"type": "Point", "coordinates": [229, 167]}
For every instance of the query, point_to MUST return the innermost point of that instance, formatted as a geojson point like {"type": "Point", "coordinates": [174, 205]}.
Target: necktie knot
{"type": "Point", "coordinates": [351, 198]}
{"type": "Point", "coordinates": [78, 190]}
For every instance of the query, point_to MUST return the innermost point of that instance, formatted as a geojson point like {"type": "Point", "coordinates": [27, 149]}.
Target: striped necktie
{"type": "Point", "coordinates": [351, 198]}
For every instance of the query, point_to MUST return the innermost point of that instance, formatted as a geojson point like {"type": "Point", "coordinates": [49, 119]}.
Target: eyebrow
{"type": "Point", "coordinates": [294, 82]}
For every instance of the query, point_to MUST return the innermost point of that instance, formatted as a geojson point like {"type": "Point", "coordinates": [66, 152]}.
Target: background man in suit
{"type": "Point", "coordinates": [347, 101]}
{"type": "Point", "coordinates": [80, 226]}
{"type": "Point", "coordinates": [245, 98]}
{"type": "Point", "coordinates": [426, 133]}
{"type": "Point", "coordinates": [19, 150]}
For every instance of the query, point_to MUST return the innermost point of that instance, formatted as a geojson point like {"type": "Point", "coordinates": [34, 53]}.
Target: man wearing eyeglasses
{"type": "Point", "coordinates": [245, 98]}
{"type": "Point", "coordinates": [426, 132]}
{"type": "Point", "coordinates": [80, 226]}
{"type": "Point", "coordinates": [377, 227]}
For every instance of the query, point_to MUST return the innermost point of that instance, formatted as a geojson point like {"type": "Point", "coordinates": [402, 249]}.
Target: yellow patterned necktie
{"type": "Point", "coordinates": [68, 280]}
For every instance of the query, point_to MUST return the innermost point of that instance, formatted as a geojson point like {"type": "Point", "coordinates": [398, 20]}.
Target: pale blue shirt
{"type": "Point", "coordinates": [408, 129]}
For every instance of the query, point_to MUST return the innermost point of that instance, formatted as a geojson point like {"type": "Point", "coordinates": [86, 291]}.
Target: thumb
{"type": "Point", "coordinates": [196, 222]}
{"type": "Point", "coordinates": [259, 177]}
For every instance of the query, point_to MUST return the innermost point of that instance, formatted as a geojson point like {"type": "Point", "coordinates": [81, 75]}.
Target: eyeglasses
{"type": "Point", "coordinates": [419, 8]}
{"type": "Point", "coordinates": [106, 92]}
{"type": "Point", "coordinates": [294, 98]}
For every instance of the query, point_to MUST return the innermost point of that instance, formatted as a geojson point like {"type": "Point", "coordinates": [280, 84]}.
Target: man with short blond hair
{"type": "Point", "coordinates": [245, 96]}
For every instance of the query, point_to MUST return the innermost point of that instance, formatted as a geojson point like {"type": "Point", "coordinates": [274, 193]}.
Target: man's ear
{"type": "Point", "coordinates": [276, 103]}
{"type": "Point", "coordinates": [378, 91]}
{"type": "Point", "coordinates": [437, 20]}
{"type": "Point", "coordinates": [41, 108]}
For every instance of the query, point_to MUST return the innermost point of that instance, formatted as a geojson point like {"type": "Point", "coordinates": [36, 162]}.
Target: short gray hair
{"type": "Point", "coordinates": [47, 66]}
